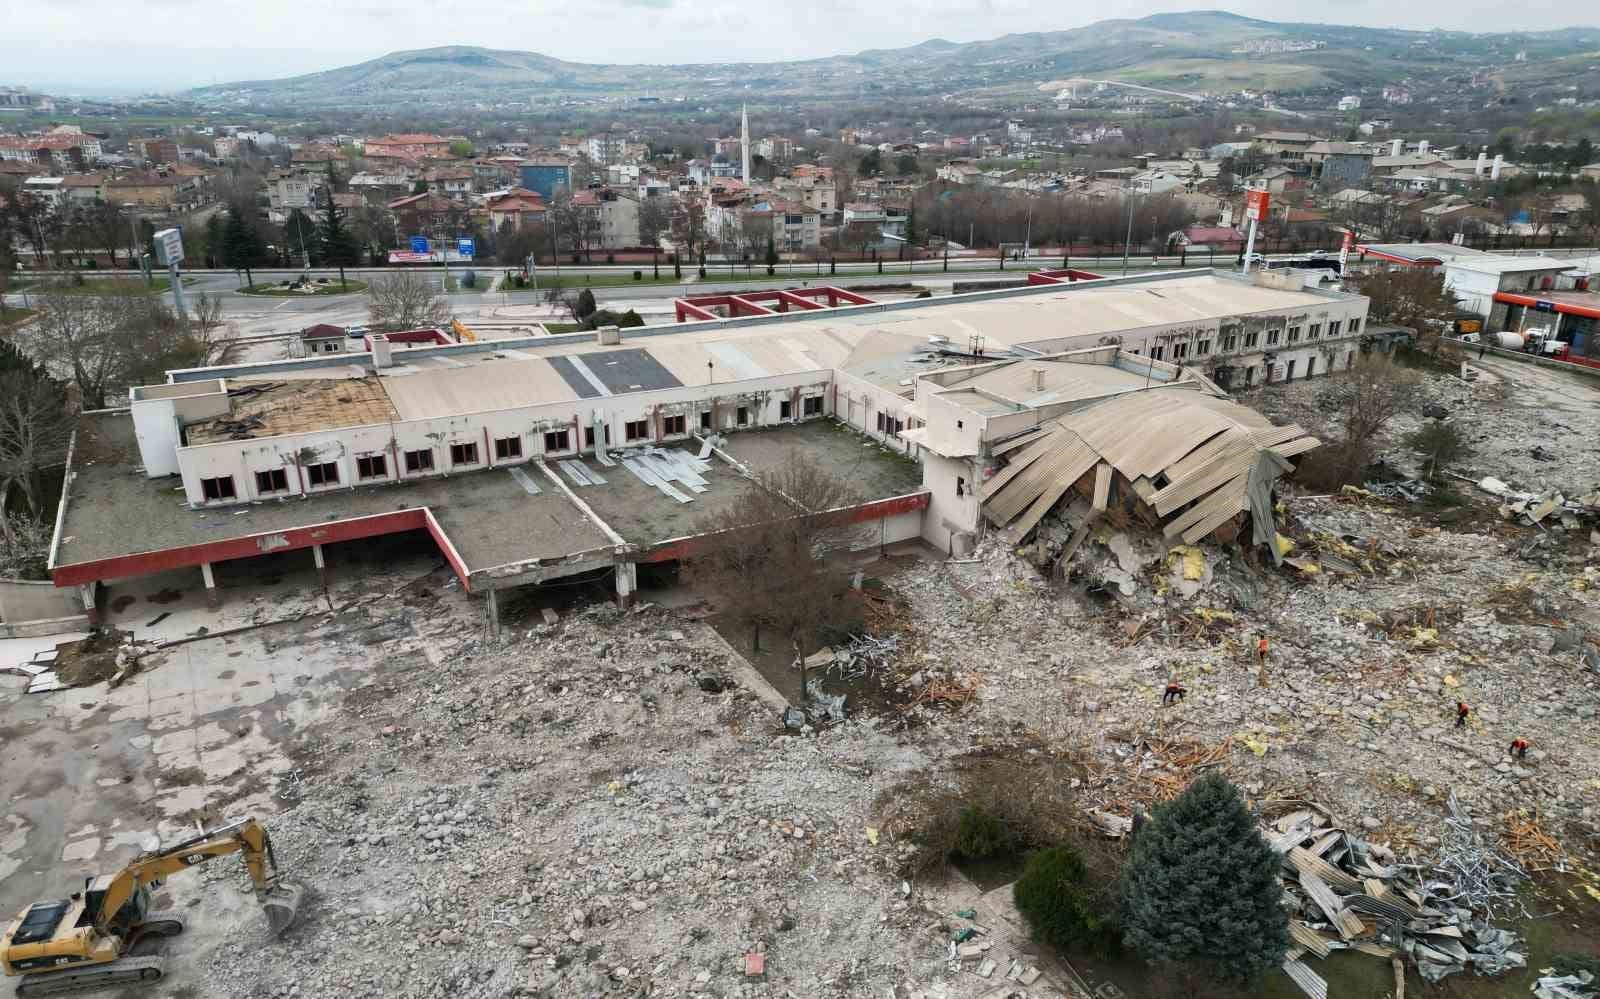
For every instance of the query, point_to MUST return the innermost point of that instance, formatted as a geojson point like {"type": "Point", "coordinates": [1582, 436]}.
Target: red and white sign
{"type": "Point", "coordinates": [1255, 205]}
{"type": "Point", "coordinates": [410, 257]}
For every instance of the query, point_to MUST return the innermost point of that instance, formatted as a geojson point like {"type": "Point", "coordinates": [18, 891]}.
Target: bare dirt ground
{"type": "Point", "coordinates": [600, 807]}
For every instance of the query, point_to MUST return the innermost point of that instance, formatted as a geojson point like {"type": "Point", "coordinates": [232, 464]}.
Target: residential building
{"type": "Point", "coordinates": [1338, 165]}
{"type": "Point", "coordinates": [84, 188]}
{"type": "Point", "coordinates": [606, 148]}
{"type": "Point", "coordinates": [225, 146]}
{"type": "Point", "coordinates": [813, 187]}
{"type": "Point", "coordinates": [1286, 148]}
{"type": "Point", "coordinates": [452, 181]}
{"type": "Point", "coordinates": [315, 159]}
{"type": "Point", "coordinates": [795, 226]}
{"type": "Point", "coordinates": [150, 189]}
{"type": "Point", "coordinates": [616, 216]}
{"type": "Point", "coordinates": [157, 150]}
{"type": "Point", "coordinates": [62, 152]}
{"type": "Point", "coordinates": [50, 190]}
{"type": "Point", "coordinates": [429, 214]}
{"type": "Point", "coordinates": [1155, 182]}
{"type": "Point", "coordinates": [1349, 103]}
{"type": "Point", "coordinates": [517, 207]}
{"type": "Point", "coordinates": [380, 187]}
{"type": "Point", "coordinates": [288, 190]}
{"type": "Point", "coordinates": [959, 172]}
{"type": "Point", "coordinates": [407, 147]}
{"type": "Point", "coordinates": [546, 177]}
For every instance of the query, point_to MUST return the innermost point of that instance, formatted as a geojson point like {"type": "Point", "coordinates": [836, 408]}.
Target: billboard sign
{"type": "Point", "coordinates": [169, 247]}
{"type": "Point", "coordinates": [467, 247]}
{"type": "Point", "coordinates": [1255, 205]}
{"type": "Point", "coordinates": [412, 257]}
{"type": "Point", "coordinates": [419, 244]}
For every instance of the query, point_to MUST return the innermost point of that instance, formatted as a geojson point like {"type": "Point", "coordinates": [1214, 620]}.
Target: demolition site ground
{"type": "Point", "coordinates": [609, 804]}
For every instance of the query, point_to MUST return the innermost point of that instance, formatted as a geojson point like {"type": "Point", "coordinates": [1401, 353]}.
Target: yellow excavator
{"type": "Point", "coordinates": [107, 935]}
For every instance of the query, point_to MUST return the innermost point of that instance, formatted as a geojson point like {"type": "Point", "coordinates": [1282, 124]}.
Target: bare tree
{"type": "Point", "coordinates": [35, 425]}
{"type": "Point", "coordinates": [762, 558]}
{"type": "Point", "coordinates": [654, 221]}
{"type": "Point", "coordinates": [72, 338]}
{"type": "Point", "coordinates": [406, 300]}
{"type": "Point", "coordinates": [25, 547]}
{"type": "Point", "coordinates": [213, 336]}
{"type": "Point", "coordinates": [1374, 391]}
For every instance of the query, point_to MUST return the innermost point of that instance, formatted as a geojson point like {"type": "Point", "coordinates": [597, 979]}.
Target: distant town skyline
{"type": "Point", "coordinates": [100, 47]}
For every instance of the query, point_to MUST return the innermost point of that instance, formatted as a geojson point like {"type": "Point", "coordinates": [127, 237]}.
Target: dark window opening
{"type": "Point", "coordinates": [372, 466]}
{"type": "Point", "coordinates": [219, 488]}
{"type": "Point", "coordinates": [323, 474]}
{"type": "Point", "coordinates": [557, 440]}
{"type": "Point", "coordinates": [961, 486]}
{"type": "Point", "coordinates": [674, 425]}
{"type": "Point", "coordinates": [463, 454]}
{"type": "Point", "coordinates": [705, 419]}
{"type": "Point", "coordinates": [743, 416]}
{"type": "Point", "coordinates": [811, 406]}
{"type": "Point", "coordinates": [419, 461]}
{"type": "Point", "coordinates": [785, 409]}
{"type": "Point", "coordinates": [274, 481]}
{"type": "Point", "coordinates": [636, 430]}
{"type": "Point", "coordinates": [508, 447]}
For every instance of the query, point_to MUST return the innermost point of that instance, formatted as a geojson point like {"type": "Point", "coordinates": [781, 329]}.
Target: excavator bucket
{"type": "Point", "coordinates": [281, 906]}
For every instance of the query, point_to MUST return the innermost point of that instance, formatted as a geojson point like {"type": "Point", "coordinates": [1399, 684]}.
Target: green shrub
{"type": "Point", "coordinates": [981, 834]}
{"type": "Point", "coordinates": [1055, 895]}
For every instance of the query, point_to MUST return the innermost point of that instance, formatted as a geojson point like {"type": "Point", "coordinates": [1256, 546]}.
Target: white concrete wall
{"type": "Point", "coordinates": [156, 427]}
{"type": "Point", "coordinates": [1474, 289]}
{"type": "Point", "coordinates": [242, 459]}
{"type": "Point", "coordinates": [858, 402]}
{"type": "Point", "coordinates": [951, 520]}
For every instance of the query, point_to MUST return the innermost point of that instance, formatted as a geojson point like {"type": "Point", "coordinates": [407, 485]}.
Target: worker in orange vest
{"type": "Point", "coordinates": [1261, 650]}
{"type": "Point", "coordinates": [1175, 692]}
{"type": "Point", "coordinates": [1462, 711]}
{"type": "Point", "coordinates": [1519, 748]}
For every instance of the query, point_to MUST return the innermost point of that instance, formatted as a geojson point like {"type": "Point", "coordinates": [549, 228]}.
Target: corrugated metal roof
{"type": "Point", "coordinates": [1203, 448]}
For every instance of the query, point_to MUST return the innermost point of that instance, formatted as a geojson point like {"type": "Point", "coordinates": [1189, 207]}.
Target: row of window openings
{"type": "Point", "coordinates": [375, 466]}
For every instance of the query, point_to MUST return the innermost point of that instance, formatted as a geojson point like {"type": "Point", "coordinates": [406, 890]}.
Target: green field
{"type": "Point", "coordinates": [9, 315]}
{"type": "Point", "coordinates": [350, 287]}
{"type": "Point", "coordinates": [94, 285]}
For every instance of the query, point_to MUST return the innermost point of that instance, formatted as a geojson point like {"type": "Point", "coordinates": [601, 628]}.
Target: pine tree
{"type": "Point", "coordinates": [1201, 885]}
{"type": "Point", "coordinates": [772, 257]}
{"type": "Point", "coordinates": [339, 246]}
{"type": "Point", "coordinates": [913, 234]}
{"type": "Point", "coordinates": [242, 246]}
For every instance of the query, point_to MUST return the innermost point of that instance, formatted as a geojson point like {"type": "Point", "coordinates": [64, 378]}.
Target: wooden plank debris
{"type": "Point", "coordinates": [1309, 938]}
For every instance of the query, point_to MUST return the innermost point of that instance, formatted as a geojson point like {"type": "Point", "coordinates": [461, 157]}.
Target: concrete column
{"type": "Point", "coordinates": [491, 601]}
{"type": "Point", "coordinates": [86, 592]}
{"type": "Point", "coordinates": [627, 582]}
{"type": "Point", "coordinates": [212, 599]}
{"type": "Point", "coordinates": [322, 566]}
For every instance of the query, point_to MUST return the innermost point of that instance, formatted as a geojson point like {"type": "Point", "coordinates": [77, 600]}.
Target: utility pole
{"type": "Point", "coordinates": [1129, 237]}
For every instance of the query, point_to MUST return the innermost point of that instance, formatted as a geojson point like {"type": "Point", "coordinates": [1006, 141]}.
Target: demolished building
{"type": "Point", "coordinates": [533, 459]}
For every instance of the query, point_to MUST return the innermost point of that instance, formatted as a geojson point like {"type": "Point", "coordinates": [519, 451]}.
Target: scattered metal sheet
{"type": "Point", "coordinates": [1308, 938]}
{"type": "Point", "coordinates": [649, 478]}
{"type": "Point", "coordinates": [525, 481]}
{"type": "Point", "coordinates": [581, 474]}
{"type": "Point", "coordinates": [1311, 983]}
{"type": "Point", "coordinates": [45, 682]}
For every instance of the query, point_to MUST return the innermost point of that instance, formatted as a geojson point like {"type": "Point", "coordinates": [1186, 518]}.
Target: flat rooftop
{"type": "Point", "coordinates": [113, 509]}
{"type": "Point", "coordinates": [885, 344]}
{"type": "Point", "coordinates": [990, 390]}
{"type": "Point", "coordinates": [492, 517]}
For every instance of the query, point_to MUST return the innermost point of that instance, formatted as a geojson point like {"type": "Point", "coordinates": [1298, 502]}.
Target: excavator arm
{"type": "Point", "coordinates": [246, 836]}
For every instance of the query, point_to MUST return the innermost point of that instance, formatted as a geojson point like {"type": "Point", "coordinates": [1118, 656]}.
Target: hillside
{"type": "Point", "coordinates": [1202, 51]}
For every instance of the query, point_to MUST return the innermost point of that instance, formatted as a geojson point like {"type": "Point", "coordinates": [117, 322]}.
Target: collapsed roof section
{"type": "Point", "coordinates": [1196, 459]}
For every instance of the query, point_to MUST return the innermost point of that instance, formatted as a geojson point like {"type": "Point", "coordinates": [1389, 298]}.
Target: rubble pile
{"type": "Point", "coordinates": [1352, 893]}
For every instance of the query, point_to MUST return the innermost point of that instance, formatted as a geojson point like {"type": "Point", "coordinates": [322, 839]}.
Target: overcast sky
{"type": "Point", "coordinates": [106, 46]}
